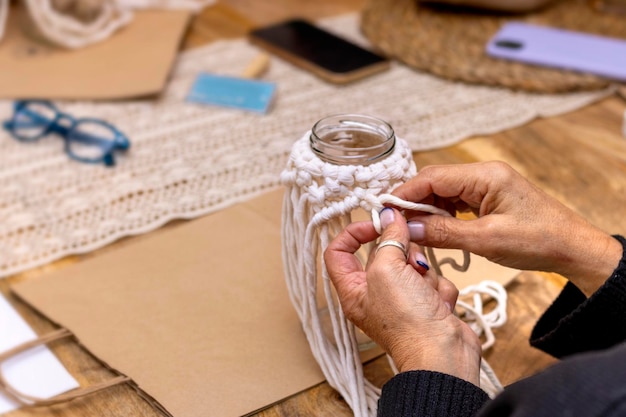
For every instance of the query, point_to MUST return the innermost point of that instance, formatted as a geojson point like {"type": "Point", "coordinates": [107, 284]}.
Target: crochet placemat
{"type": "Point", "coordinates": [187, 160]}
{"type": "Point", "coordinates": [450, 42]}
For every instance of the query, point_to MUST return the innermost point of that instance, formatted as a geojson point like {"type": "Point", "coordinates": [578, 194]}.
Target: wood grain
{"type": "Point", "coordinates": [579, 157]}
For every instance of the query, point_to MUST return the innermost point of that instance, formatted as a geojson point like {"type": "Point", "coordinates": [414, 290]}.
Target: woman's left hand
{"type": "Point", "coordinates": [404, 308]}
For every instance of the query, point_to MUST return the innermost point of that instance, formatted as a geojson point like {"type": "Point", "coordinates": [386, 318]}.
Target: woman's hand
{"type": "Point", "coordinates": [408, 313]}
{"type": "Point", "coordinates": [518, 225]}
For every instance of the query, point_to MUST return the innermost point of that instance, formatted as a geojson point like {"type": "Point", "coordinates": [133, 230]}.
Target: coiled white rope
{"type": "Point", "coordinates": [319, 201]}
{"type": "Point", "coordinates": [66, 31]}
{"type": "Point", "coordinates": [69, 31]}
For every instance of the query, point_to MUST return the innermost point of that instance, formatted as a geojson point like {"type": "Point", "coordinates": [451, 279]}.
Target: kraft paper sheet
{"type": "Point", "coordinates": [134, 61]}
{"type": "Point", "coordinates": [197, 314]}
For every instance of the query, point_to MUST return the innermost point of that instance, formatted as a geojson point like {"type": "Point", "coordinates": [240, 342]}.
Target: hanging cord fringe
{"type": "Point", "coordinates": [319, 201]}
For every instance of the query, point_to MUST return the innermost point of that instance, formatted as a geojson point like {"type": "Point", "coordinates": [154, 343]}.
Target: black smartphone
{"type": "Point", "coordinates": [326, 55]}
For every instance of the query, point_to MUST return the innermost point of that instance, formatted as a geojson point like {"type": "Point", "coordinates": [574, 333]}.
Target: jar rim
{"type": "Point", "coordinates": [339, 154]}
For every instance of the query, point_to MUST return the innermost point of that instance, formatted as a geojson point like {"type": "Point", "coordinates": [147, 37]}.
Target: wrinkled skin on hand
{"type": "Point", "coordinates": [407, 309]}
{"type": "Point", "coordinates": [517, 225]}
{"type": "Point", "coordinates": [404, 308]}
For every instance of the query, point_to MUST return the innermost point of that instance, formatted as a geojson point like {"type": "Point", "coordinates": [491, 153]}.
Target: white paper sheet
{"type": "Point", "coordinates": [35, 372]}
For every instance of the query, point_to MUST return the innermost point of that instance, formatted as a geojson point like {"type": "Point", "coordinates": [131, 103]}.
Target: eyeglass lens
{"type": "Point", "coordinates": [90, 140]}
{"type": "Point", "coordinates": [33, 120]}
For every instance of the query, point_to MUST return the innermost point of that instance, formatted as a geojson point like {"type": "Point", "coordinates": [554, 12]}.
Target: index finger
{"type": "Point", "coordinates": [339, 257]}
{"type": "Point", "coordinates": [467, 182]}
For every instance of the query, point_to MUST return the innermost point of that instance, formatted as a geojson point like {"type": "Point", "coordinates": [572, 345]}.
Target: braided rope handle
{"type": "Point", "coordinates": [33, 401]}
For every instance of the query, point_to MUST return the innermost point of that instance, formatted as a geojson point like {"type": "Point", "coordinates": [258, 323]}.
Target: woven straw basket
{"type": "Point", "coordinates": [450, 42]}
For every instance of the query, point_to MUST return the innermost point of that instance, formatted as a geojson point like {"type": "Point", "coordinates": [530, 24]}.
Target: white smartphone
{"type": "Point", "coordinates": [559, 48]}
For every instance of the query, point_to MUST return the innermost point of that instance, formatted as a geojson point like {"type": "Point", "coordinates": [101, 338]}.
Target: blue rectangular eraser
{"type": "Point", "coordinates": [234, 92]}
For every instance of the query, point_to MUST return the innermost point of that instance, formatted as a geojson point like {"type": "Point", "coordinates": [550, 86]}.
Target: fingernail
{"type": "Point", "coordinates": [420, 259]}
{"type": "Point", "coordinates": [449, 306]}
{"type": "Point", "coordinates": [386, 217]}
{"type": "Point", "coordinates": [416, 231]}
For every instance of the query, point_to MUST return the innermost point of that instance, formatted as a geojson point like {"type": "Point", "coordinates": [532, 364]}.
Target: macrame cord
{"type": "Point", "coordinates": [98, 21]}
{"type": "Point", "coordinates": [320, 200]}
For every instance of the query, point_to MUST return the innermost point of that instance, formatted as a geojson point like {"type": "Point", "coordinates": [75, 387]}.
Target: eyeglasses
{"type": "Point", "coordinates": [86, 139]}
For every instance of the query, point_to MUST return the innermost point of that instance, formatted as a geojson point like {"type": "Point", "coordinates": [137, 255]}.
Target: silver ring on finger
{"type": "Point", "coordinates": [395, 244]}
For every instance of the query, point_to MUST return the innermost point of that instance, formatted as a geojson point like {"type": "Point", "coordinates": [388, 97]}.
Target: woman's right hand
{"type": "Point", "coordinates": [401, 305]}
{"type": "Point", "coordinates": [517, 225]}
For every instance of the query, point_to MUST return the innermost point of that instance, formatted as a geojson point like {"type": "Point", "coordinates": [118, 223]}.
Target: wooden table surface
{"type": "Point", "coordinates": [579, 157]}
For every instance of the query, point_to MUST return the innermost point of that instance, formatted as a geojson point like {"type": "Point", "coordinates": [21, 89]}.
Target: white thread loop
{"type": "Point", "coordinates": [403, 204]}
{"type": "Point", "coordinates": [426, 208]}
{"type": "Point", "coordinates": [483, 323]}
{"type": "Point", "coordinates": [478, 320]}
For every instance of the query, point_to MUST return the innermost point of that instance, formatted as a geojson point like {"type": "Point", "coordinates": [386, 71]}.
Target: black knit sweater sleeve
{"type": "Point", "coordinates": [426, 394]}
{"type": "Point", "coordinates": [572, 324]}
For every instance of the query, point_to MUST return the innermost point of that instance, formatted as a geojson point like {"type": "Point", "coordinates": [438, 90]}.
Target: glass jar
{"type": "Point", "coordinates": [333, 176]}
{"type": "Point", "coordinates": [352, 139]}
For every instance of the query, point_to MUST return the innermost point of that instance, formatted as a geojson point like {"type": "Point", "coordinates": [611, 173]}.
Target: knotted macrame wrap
{"type": "Point", "coordinates": [320, 200]}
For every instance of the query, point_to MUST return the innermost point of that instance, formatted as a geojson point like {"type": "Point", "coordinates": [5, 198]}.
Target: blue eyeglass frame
{"type": "Point", "coordinates": [108, 146]}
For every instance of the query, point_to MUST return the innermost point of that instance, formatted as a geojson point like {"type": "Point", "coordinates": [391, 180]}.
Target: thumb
{"type": "Point", "coordinates": [394, 240]}
{"type": "Point", "coordinates": [446, 232]}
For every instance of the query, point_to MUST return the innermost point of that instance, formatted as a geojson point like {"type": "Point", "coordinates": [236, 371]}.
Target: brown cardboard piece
{"type": "Point", "coordinates": [197, 314]}
{"type": "Point", "coordinates": [135, 61]}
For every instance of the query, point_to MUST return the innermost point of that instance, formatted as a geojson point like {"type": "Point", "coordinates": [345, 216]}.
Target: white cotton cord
{"type": "Point", "coordinates": [480, 321]}
{"type": "Point", "coordinates": [426, 208]}
{"type": "Point", "coordinates": [489, 381]}
{"type": "Point", "coordinates": [319, 202]}
{"type": "Point", "coordinates": [483, 323]}
{"type": "Point", "coordinates": [70, 32]}
{"type": "Point", "coordinates": [409, 205]}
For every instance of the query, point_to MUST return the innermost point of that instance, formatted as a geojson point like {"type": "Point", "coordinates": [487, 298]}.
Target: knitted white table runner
{"type": "Point", "coordinates": [188, 160]}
